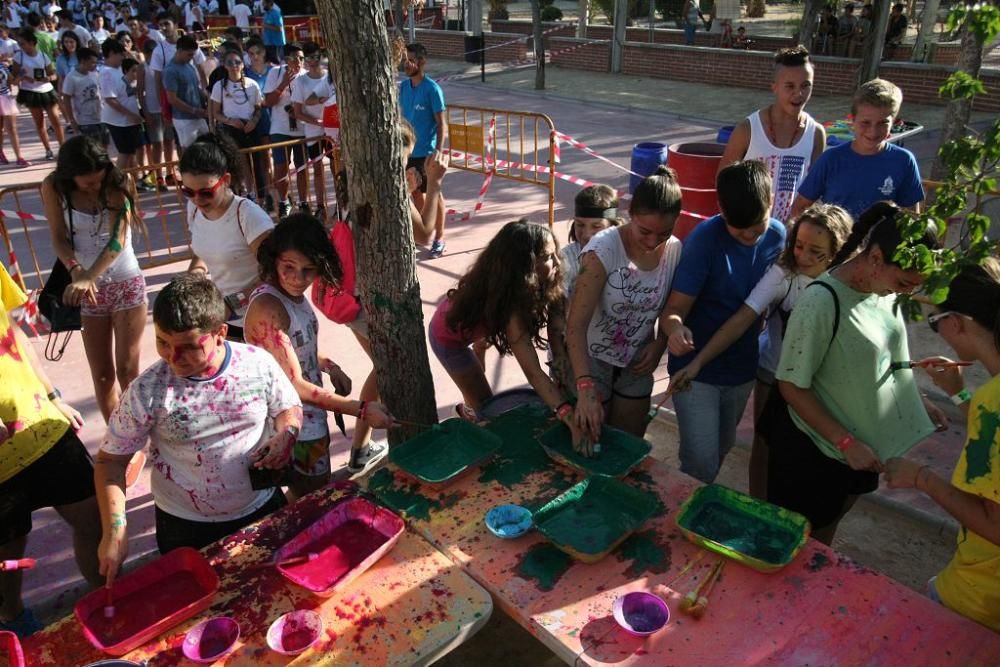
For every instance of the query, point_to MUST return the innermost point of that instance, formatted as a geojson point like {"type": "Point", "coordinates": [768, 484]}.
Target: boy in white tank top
{"type": "Point", "coordinates": [782, 134]}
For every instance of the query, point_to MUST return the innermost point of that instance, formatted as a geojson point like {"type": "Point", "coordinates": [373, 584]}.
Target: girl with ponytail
{"type": "Point", "coordinates": [969, 321]}
{"type": "Point", "coordinates": [844, 405]}
{"type": "Point", "coordinates": [226, 229]}
{"type": "Point", "coordinates": [625, 273]}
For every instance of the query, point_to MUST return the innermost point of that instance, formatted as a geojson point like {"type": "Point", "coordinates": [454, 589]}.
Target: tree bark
{"type": "Point", "coordinates": [583, 9]}
{"type": "Point", "coordinates": [390, 292]}
{"type": "Point", "coordinates": [808, 25]}
{"type": "Point", "coordinates": [957, 113]}
{"type": "Point", "coordinates": [922, 47]}
{"type": "Point", "coordinates": [397, 17]}
{"type": "Point", "coordinates": [539, 44]}
{"type": "Point", "coordinates": [871, 55]}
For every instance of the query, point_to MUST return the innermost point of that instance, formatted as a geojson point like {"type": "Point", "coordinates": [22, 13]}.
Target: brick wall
{"type": "Point", "coordinates": [592, 57]}
{"type": "Point", "coordinates": [450, 45]}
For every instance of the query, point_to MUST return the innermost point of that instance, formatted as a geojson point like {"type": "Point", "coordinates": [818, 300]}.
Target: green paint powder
{"type": "Point", "coordinates": [645, 553]}
{"type": "Point", "coordinates": [520, 454]}
{"type": "Point", "coordinates": [744, 532]}
{"type": "Point", "coordinates": [545, 564]}
{"type": "Point", "coordinates": [977, 452]}
{"type": "Point", "coordinates": [401, 497]}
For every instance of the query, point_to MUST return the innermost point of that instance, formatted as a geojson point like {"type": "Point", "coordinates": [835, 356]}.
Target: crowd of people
{"type": "Point", "coordinates": [787, 294]}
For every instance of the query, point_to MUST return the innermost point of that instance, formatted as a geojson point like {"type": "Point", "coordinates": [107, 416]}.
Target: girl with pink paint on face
{"type": "Point", "coordinates": [281, 320]}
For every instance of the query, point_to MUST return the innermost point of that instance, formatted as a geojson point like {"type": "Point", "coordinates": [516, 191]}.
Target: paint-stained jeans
{"type": "Point", "coordinates": [707, 415]}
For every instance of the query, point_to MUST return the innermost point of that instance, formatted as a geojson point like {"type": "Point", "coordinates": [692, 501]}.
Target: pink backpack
{"type": "Point", "coordinates": [338, 303]}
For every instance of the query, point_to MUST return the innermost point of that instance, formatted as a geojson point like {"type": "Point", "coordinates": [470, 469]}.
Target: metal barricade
{"type": "Point", "coordinates": [164, 235]}
{"type": "Point", "coordinates": [519, 139]}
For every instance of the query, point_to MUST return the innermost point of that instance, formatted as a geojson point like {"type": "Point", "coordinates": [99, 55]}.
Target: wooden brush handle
{"type": "Point", "coordinates": [714, 577]}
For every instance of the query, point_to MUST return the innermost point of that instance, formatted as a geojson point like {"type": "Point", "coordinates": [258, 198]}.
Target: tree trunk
{"type": "Point", "coordinates": [922, 47]}
{"type": "Point", "coordinates": [871, 55]}
{"type": "Point", "coordinates": [583, 9]}
{"type": "Point", "coordinates": [539, 44]}
{"type": "Point", "coordinates": [956, 114]}
{"type": "Point", "coordinates": [390, 293]}
{"type": "Point", "coordinates": [397, 17]}
{"type": "Point", "coordinates": [808, 25]}
{"type": "Point", "coordinates": [618, 39]}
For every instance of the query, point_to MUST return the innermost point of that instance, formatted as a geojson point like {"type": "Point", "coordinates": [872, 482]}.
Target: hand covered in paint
{"type": "Point", "coordinates": [581, 441]}
{"type": "Point", "coordinates": [948, 379]}
{"type": "Point", "coordinates": [74, 417]}
{"type": "Point", "coordinates": [589, 416]}
{"type": "Point", "coordinates": [377, 416]}
{"type": "Point", "coordinates": [112, 550]}
{"type": "Point", "coordinates": [682, 379]}
{"type": "Point", "coordinates": [861, 457]}
{"type": "Point", "coordinates": [648, 358]}
{"type": "Point", "coordinates": [275, 452]}
{"type": "Point", "coordinates": [681, 341]}
{"type": "Point", "coordinates": [340, 380]}
{"type": "Point", "coordinates": [901, 473]}
{"type": "Point", "coordinates": [936, 414]}
{"type": "Point", "coordinates": [82, 289]}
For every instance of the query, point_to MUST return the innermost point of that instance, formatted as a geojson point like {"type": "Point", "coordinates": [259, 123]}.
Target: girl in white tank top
{"type": "Point", "coordinates": [281, 320]}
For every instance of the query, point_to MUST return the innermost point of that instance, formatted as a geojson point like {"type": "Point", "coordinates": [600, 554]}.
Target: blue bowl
{"type": "Point", "coordinates": [508, 521]}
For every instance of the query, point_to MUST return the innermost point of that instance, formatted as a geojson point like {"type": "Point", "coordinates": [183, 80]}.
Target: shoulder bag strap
{"type": "Point", "coordinates": [836, 308]}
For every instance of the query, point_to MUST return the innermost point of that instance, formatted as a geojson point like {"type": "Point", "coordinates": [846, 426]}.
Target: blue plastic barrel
{"type": "Point", "coordinates": [724, 133]}
{"type": "Point", "coordinates": [646, 157]}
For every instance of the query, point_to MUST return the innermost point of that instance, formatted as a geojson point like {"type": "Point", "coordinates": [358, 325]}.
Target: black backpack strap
{"type": "Point", "coordinates": [836, 308]}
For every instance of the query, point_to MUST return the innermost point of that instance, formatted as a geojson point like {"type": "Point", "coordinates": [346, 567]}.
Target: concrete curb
{"type": "Point", "coordinates": [937, 524]}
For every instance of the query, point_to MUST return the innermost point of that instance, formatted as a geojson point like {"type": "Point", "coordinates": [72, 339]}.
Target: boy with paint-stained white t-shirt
{"type": "Point", "coordinates": [210, 410]}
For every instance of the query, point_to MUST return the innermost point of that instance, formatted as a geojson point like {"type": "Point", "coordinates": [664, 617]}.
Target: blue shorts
{"type": "Point", "coordinates": [454, 359]}
{"type": "Point", "coordinates": [280, 155]}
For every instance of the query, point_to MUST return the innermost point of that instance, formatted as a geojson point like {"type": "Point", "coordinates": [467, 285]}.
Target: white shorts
{"type": "Point", "coordinates": [8, 105]}
{"type": "Point", "coordinates": [188, 130]}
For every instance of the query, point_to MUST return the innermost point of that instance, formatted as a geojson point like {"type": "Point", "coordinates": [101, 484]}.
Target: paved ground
{"type": "Point", "coordinates": [602, 123]}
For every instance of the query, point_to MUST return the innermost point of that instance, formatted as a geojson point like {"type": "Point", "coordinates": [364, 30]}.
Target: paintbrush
{"type": "Point", "coordinates": [698, 610]}
{"type": "Point", "coordinates": [294, 560]}
{"type": "Point", "coordinates": [21, 564]}
{"type": "Point", "coordinates": [407, 422]}
{"type": "Point", "coordinates": [900, 365]}
{"type": "Point", "coordinates": [109, 606]}
{"type": "Point", "coordinates": [691, 599]}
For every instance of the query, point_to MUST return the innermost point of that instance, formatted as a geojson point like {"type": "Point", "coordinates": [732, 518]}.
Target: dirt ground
{"type": "Point", "coordinates": [908, 551]}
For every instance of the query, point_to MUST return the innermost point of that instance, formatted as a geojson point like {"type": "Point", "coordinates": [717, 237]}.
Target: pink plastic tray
{"type": "Point", "coordinates": [148, 602]}
{"type": "Point", "coordinates": [347, 540]}
{"type": "Point", "coordinates": [10, 649]}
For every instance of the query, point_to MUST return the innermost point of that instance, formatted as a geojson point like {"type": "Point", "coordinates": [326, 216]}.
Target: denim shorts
{"type": "Point", "coordinates": [707, 416]}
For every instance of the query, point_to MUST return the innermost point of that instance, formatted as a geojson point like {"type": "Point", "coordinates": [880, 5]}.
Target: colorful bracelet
{"type": "Point", "coordinates": [362, 409]}
{"type": "Point", "coordinates": [844, 443]}
{"type": "Point", "coordinates": [563, 410]}
{"type": "Point", "coordinates": [963, 396]}
{"type": "Point", "coordinates": [73, 264]}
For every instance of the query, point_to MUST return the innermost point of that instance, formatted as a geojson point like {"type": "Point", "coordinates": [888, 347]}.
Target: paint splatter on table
{"type": "Point", "coordinates": [410, 606]}
{"type": "Point", "coordinates": [819, 609]}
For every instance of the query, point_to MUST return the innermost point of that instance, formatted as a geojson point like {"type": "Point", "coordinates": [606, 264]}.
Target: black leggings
{"type": "Point", "coordinates": [173, 532]}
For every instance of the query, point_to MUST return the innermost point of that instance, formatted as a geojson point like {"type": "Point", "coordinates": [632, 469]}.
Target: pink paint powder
{"type": "Point", "coordinates": [143, 608]}
{"type": "Point", "coordinates": [338, 552]}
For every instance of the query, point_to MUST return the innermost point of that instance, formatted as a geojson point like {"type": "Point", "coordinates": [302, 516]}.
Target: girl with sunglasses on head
{"type": "Point", "coordinates": [90, 206]}
{"type": "Point", "coordinates": [236, 108]}
{"type": "Point", "coordinates": [842, 407]}
{"type": "Point", "coordinates": [226, 229]}
{"type": "Point", "coordinates": [969, 321]}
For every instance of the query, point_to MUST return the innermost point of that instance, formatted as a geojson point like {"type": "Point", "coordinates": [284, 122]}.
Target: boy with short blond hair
{"type": "Point", "coordinates": [869, 169]}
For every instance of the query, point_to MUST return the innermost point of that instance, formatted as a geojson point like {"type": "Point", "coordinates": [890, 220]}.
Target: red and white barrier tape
{"type": "Point", "coordinates": [490, 162]}
{"type": "Point", "coordinates": [146, 215]}
{"type": "Point", "coordinates": [590, 151]}
{"type": "Point", "coordinates": [309, 162]}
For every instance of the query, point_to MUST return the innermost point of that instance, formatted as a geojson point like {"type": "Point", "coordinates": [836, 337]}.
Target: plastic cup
{"type": "Point", "coordinates": [211, 639]}
{"type": "Point", "coordinates": [294, 632]}
{"type": "Point", "coordinates": [508, 521]}
{"type": "Point", "coordinates": [640, 613]}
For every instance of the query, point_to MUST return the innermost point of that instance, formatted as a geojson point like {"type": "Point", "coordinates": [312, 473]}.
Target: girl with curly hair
{"type": "Point", "coordinates": [505, 299]}
{"type": "Point", "coordinates": [281, 320]}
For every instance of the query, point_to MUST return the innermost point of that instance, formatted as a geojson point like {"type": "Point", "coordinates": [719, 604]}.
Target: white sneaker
{"type": "Point", "coordinates": [368, 458]}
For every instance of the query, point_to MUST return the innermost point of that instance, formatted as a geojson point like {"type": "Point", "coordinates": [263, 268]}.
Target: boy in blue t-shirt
{"type": "Point", "coordinates": [723, 259]}
{"type": "Point", "coordinates": [422, 103]}
{"type": "Point", "coordinates": [869, 169]}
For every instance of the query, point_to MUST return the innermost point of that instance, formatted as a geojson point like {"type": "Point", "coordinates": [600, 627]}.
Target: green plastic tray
{"type": "Point", "coordinates": [620, 451]}
{"type": "Point", "coordinates": [444, 451]}
{"type": "Point", "coordinates": [590, 519]}
{"type": "Point", "coordinates": [750, 531]}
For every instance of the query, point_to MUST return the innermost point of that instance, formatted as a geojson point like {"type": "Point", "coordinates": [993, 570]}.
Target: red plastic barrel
{"type": "Point", "coordinates": [696, 165]}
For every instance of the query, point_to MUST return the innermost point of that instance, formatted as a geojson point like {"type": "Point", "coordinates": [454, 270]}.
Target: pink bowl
{"type": "Point", "coordinates": [640, 613]}
{"type": "Point", "coordinates": [294, 632]}
{"type": "Point", "coordinates": [211, 639]}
